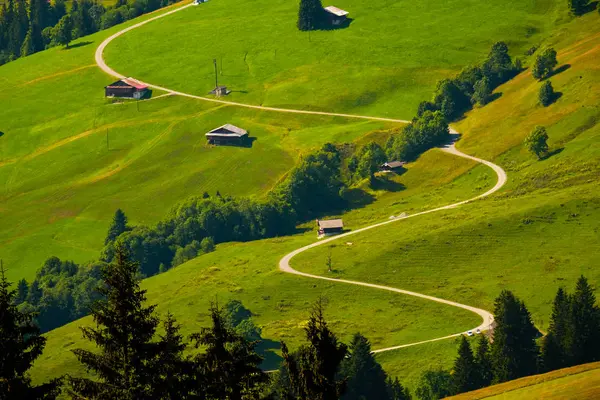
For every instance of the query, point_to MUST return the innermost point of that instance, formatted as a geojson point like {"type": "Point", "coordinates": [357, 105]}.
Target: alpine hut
{"type": "Point", "coordinates": [392, 166]}
{"type": "Point", "coordinates": [330, 227]}
{"type": "Point", "coordinates": [336, 15]}
{"type": "Point", "coordinates": [127, 88]}
{"type": "Point", "coordinates": [227, 135]}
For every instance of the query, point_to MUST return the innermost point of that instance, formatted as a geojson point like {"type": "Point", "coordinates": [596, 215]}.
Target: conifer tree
{"type": "Point", "coordinates": [396, 391]}
{"type": "Point", "coordinates": [171, 368]}
{"type": "Point", "coordinates": [310, 15]}
{"type": "Point", "coordinates": [365, 377]}
{"type": "Point", "coordinates": [28, 48]}
{"type": "Point", "coordinates": [18, 28]}
{"type": "Point", "coordinates": [514, 350]}
{"type": "Point", "coordinates": [464, 374]}
{"type": "Point", "coordinates": [123, 333]}
{"type": "Point", "coordinates": [117, 227]}
{"type": "Point", "coordinates": [228, 369]}
{"type": "Point", "coordinates": [22, 291]}
{"type": "Point", "coordinates": [556, 344]}
{"type": "Point", "coordinates": [313, 369]}
{"type": "Point", "coordinates": [585, 345]}
{"type": "Point", "coordinates": [20, 345]}
{"type": "Point", "coordinates": [483, 362]}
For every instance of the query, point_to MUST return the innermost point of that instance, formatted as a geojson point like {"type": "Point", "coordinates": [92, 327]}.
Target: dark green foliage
{"type": "Point", "coordinates": [207, 245]}
{"type": "Point", "coordinates": [171, 368]}
{"type": "Point", "coordinates": [482, 92]}
{"type": "Point", "coordinates": [61, 292]}
{"type": "Point", "coordinates": [498, 67]}
{"type": "Point", "coordinates": [117, 226]}
{"type": "Point", "coordinates": [396, 391]}
{"type": "Point", "coordinates": [123, 333]}
{"type": "Point", "coordinates": [20, 345]}
{"type": "Point", "coordinates": [183, 254]}
{"type": "Point", "coordinates": [310, 15]}
{"type": "Point", "coordinates": [464, 373]}
{"type": "Point", "coordinates": [585, 315]}
{"type": "Point", "coordinates": [314, 369]}
{"type": "Point", "coordinates": [556, 344]}
{"type": "Point", "coordinates": [367, 161]}
{"type": "Point", "coordinates": [546, 95]}
{"type": "Point", "coordinates": [434, 385]}
{"type": "Point", "coordinates": [365, 377]}
{"type": "Point", "coordinates": [450, 99]}
{"type": "Point", "coordinates": [424, 132]}
{"type": "Point", "coordinates": [514, 350]}
{"type": "Point", "coordinates": [228, 368]}
{"type": "Point", "coordinates": [537, 142]}
{"type": "Point", "coordinates": [544, 64]}
{"type": "Point", "coordinates": [577, 7]}
{"type": "Point", "coordinates": [240, 320]}
{"type": "Point", "coordinates": [483, 362]}
{"type": "Point", "coordinates": [62, 32]}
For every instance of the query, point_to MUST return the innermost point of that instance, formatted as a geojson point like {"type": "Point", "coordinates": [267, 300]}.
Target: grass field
{"type": "Point", "coordinates": [384, 63]}
{"type": "Point", "coordinates": [580, 382]}
{"type": "Point", "coordinates": [61, 184]}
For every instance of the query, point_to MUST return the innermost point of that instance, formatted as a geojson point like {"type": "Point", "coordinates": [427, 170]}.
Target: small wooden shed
{"type": "Point", "coordinates": [337, 16]}
{"type": "Point", "coordinates": [330, 227]}
{"type": "Point", "coordinates": [392, 166]}
{"type": "Point", "coordinates": [126, 88]}
{"type": "Point", "coordinates": [227, 135]}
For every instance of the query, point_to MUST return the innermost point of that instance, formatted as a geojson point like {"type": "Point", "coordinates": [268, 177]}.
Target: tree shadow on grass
{"type": "Point", "coordinates": [495, 96]}
{"type": "Point", "coordinates": [1, 133]}
{"type": "Point", "coordinates": [331, 27]}
{"type": "Point", "coordinates": [553, 153]}
{"type": "Point", "coordinates": [79, 44]}
{"type": "Point", "coordinates": [357, 198]}
{"type": "Point", "coordinates": [267, 349]}
{"type": "Point", "coordinates": [387, 184]}
{"type": "Point", "coordinates": [590, 7]}
{"type": "Point", "coordinates": [560, 69]}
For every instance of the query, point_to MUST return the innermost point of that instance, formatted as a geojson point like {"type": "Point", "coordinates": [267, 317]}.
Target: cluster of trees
{"type": "Point", "coordinates": [311, 15]}
{"type": "Point", "coordinates": [132, 360]}
{"type": "Point", "coordinates": [573, 338]}
{"type": "Point", "coordinates": [366, 161]}
{"type": "Point", "coordinates": [26, 28]}
{"type": "Point", "coordinates": [474, 85]}
{"type": "Point", "coordinates": [427, 130]}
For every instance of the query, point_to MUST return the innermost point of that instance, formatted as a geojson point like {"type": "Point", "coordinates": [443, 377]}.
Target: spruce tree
{"type": "Point", "coordinates": [228, 369]}
{"type": "Point", "coordinates": [117, 227]}
{"type": "Point", "coordinates": [28, 48]}
{"type": "Point", "coordinates": [514, 351]}
{"type": "Point", "coordinates": [310, 15]}
{"type": "Point", "coordinates": [123, 333]}
{"type": "Point", "coordinates": [171, 367]}
{"type": "Point", "coordinates": [396, 391]}
{"type": "Point", "coordinates": [585, 345]}
{"type": "Point", "coordinates": [20, 345]}
{"type": "Point", "coordinates": [483, 362]}
{"type": "Point", "coordinates": [313, 369]}
{"type": "Point", "coordinates": [556, 344]}
{"type": "Point", "coordinates": [464, 374]}
{"type": "Point", "coordinates": [365, 377]}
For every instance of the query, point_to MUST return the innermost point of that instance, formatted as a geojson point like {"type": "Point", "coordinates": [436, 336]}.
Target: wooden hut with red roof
{"type": "Point", "coordinates": [127, 88]}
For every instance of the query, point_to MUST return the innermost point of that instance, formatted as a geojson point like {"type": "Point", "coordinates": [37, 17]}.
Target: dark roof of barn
{"type": "Point", "coordinates": [394, 164]}
{"type": "Point", "coordinates": [127, 82]}
{"type": "Point", "coordinates": [228, 130]}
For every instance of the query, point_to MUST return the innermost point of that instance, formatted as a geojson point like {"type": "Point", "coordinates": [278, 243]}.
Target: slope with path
{"type": "Point", "coordinates": [284, 263]}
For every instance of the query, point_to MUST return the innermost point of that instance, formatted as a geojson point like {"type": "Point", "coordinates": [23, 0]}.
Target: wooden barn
{"type": "Point", "coordinates": [392, 166]}
{"type": "Point", "coordinates": [126, 88]}
{"type": "Point", "coordinates": [330, 227]}
{"type": "Point", "coordinates": [336, 15]}
{"type": "Point", "coordinates": [227, 135]}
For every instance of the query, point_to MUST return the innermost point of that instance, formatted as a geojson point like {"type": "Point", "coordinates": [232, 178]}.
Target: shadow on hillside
{"type": "Point", "coordinates": [357, 198]}
{"type": "Point", "coordinates": [560, 69]}
{"type": "Point", "coordinates": [495, 96]}
{"type": "Point", "coordinates": [267, 349]}
{"type": "Point", "coordinates": [590, 7]}
{"type": "Point", "coordinates": [1, 133]}
{"type": "Point", "coordinates": [553, 153]}
{"type": "Point", "coordinates": [385, 183]}
{"type": "Point", "coordinates": [80, 44]}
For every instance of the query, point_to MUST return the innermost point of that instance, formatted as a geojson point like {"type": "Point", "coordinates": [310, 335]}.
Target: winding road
{"type": "Point", "coordinates": [284, 263]}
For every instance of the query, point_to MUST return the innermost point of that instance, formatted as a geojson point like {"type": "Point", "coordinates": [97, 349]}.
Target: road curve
{"type": "Point", "coordinates": [284, 263]}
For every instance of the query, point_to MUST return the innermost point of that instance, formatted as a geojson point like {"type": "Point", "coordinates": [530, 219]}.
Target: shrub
{"type": "Point", "coordinates": [547, 94]}
{"type": "Point", "coordinates": [544, 64]}
{"type": "Point", "coordinates": [536, 142]}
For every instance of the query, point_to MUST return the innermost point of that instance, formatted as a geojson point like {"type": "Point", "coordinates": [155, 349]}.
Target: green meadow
{"type": "Point", "coordinates": [69, 158]}
{"type": "Point", "coordinates": [384, 63]}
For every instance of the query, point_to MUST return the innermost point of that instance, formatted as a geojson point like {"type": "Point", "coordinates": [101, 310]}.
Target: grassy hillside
{"type": "Point", "coordinates": [540, 232]}
{"type": "Point", "coordinates": [580, 382]}
{"type": "Point", "coordinates": [384, 63]}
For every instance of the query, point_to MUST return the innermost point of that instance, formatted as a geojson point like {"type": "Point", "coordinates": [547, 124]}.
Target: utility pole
{"type": "Point", "coordinates": [216, 74]}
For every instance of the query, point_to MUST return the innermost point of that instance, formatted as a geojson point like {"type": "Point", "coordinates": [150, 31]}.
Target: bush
{"type": "Point", "coordinates": [482, 92]}
{"type": "Point", "coordinates": [536, 142]}
{"type": "Point", "coordinates": [544, 64]}
{"type": "Point", "coordinates": [547, 94]}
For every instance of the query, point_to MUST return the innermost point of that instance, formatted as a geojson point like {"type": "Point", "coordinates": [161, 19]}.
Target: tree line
{"type": "Point", "coordinates": [134, 359]}
{"type": "Point", "coordinates": [29, 27]}
{"type": "Point", "coordinates": [518, 348]}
